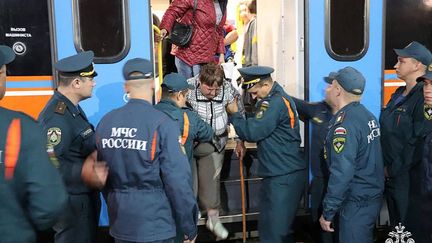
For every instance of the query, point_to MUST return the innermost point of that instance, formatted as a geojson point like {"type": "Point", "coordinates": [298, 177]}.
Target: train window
{"type": "Point", "coordinates": [27, 31]}
{"type": "Point", "coordinates": [102, 26]}
{"type": "Point", "coordinates": [347, 29]}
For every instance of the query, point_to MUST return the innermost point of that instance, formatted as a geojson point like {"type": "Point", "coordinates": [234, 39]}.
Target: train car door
{"type": "Point", "coordinates": [340, 35]}
{"type": "Point", "coordinates": [27, 31]}
{"type": "Point", "coordinates": [116, 30]}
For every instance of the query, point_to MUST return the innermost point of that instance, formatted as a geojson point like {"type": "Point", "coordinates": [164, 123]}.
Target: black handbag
{"type": "Point", "coordinates": [181, 34]}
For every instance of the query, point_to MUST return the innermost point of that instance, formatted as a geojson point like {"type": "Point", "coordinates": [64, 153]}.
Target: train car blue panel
{"type": "Point", "coordinates": [321, 63]}
{"type": "Point", "coordinates": [108, 93]}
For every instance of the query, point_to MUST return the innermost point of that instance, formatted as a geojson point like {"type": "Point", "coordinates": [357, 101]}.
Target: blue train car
{"type": "Point", "coordinates": [303, 40]}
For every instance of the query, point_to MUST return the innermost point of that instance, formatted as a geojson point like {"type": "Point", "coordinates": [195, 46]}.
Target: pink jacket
{"type": "Point", "coordinates": [207, 38]}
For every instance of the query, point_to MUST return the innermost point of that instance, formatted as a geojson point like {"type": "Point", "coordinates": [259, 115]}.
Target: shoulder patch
{"type": "Point", "coordinates": [427, 111]}
{"type": "Point", "coordinates": [54, 136]}
{"type": "Point", "coordinates": [340, 118]}
{"type": "Point", "coordinates": [60, 107]}
{"type": "Point", "coordinates": [263, 107]}
{"type": "Point", "coordinates": [340, 131]}
{"type": "Point", "coordinates": [338, 144]}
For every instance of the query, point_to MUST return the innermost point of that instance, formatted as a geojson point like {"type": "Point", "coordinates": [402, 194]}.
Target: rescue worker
{"type": "Point", "coordinates": [173, 103]}
{"type": "Point", "coordinates": [208, 99]}
{"type": "Point", "coordinates": [32, 194]}
{"type": "Point", "coordinates": [72, 136]}
{"type": "Point", "coordinates": [401, 122]}
{"type": "Point", "coordinates": [353, 153]}
{"type": "Point", "coordinates": [149, 178]}
{"type": "Point", "coordinates": [421, 208]}
{"type": "Point", "coordinates": [275, 128]}
{"type": "Point", "coordinates": [318, 114]}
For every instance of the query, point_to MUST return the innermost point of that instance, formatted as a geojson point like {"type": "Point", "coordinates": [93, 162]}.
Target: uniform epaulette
{"type": "Point", "coordinates": [60, 107]}
{"type": "Point", "coordinates": [340, 118]}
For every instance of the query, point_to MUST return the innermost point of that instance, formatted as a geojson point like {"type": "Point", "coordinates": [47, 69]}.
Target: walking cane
{"type": "Point", "coordinates": [243, 199]}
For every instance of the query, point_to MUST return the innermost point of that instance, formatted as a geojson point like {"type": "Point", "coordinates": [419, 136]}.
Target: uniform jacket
{"type": "Point", "coordinates": [207, 38]}
{"type": "Point", "coordinates": [72, 136]}
{"type": "Point", "coordinates": [149, 181]}
{"type": "Point", "coordinates": [353, 154]}
{"type": "Point", "coordinates": [426, 166]}
{"type": "Point", "coordinates": [213, 111]}
{"type": "Point", "coordinates": [198, 130]}
{"type": "Point", "coordinates": [32, 194]}
{"type": "Point", "coordinates": [401, 126]}
{"type": "Point", "coordinates": [319, 114]}
{"type": "Point", "coordinates": [275, 128]}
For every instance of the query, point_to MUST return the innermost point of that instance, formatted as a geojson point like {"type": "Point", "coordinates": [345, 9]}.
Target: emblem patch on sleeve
{"type": "Point", "coordinates": [427, 111]}
{"type": "Point", "coordinates": [263, 107]}
{"type": "Point", "coordinates": [338, 144]}
{"type": "Point", "coordinates": [54, 136]}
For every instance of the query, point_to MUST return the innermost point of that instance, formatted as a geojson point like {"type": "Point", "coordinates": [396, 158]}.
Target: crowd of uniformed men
{"type": "Point", "coordinates": [152, 162]}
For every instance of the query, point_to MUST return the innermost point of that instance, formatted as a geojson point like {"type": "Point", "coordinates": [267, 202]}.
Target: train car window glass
{"type": "Point", "coordinates": [102, 26]}
{"type": "Point", "coordinates": [347, 29]}
{"type": "Point", "coordinates": [27, 31]}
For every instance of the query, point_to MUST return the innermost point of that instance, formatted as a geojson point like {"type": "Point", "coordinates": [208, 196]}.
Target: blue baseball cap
{"type": "Point", "coordinates": [176, 82]}
{"type": "Point", "coordinates": [7, 55]}
{"type": "Point", "coordinates": [417, 51]}
{"type": "Point", "coordinates": [349, 78]}
{"type": "Point", "coordinates": [138, 65]}
{"type": "Point", "coordinates": [80, 64]}
{"type": "Point", "coordinates": [252, 75]}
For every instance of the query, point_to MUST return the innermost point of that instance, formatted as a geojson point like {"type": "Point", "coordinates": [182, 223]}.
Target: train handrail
{"type": "Point", "coordinates": [160, 59]}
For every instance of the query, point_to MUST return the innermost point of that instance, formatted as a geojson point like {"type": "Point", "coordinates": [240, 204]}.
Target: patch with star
{"type": "Point", "coordinates": [54, 136]}
{"type": "Point", "coordinates": [338, 144]}
{"type": "Point", "coordinates": [427, 112]}
{"type": "Point", "coordinates": [340, 131]}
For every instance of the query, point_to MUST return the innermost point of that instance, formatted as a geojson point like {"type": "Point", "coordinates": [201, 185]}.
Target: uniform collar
{"type": "Point", "coordinates": [348, 106]}
{"type": "Point", "coordinates": [275, 89]}
{"type": "Point", "coordinates": [139, 101]}
{"type": "Point", "coordinates": [74, 110]}
{"type": "Point", "coordinates": [169, 102]}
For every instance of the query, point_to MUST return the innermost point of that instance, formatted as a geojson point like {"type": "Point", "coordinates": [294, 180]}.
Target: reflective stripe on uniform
{"type": "Point", "coordinates": [13, 144]}
{"type": "Point", "coordinates": [290, 112]}
{"type": "Point", "coordinates": [185, 128]}
{"type": "Point", "coordinates": [153, 148]}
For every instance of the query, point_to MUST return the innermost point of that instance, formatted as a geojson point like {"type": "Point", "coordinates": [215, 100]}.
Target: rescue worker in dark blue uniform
{"type": "Point", "coordinates": [275, 128]}
{"type": "Point", "coordinates": [353, 153]}
{"type": "Point", "coordinates": [32, 194]}
{"type": "Point", "coordinates": [401, 121]}
{"type": "Point", "coordinates": [192, 128]}
{"type": "Point", "coordinates": [318, 114]}
{"type": "Point", "coordinates": [149, 178]}
{"type": "Point", "coordinates": [173, 103]}
{"type": "Point", "coordinates": [421, 207]}
{"type": "Point", "coordinates": [72, 136]}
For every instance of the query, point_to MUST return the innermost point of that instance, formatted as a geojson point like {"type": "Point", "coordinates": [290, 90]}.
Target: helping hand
{"type": "Point", "coordinates": [232, 107]}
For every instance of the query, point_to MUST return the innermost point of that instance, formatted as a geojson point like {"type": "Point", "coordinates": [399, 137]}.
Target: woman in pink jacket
{"type": "Point", "coordinates": [207, 38]}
